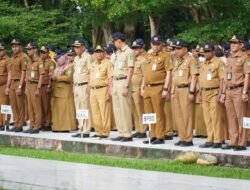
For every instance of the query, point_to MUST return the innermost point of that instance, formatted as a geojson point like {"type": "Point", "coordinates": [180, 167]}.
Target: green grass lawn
{"type": "Point", "coordinates": [141, 164]}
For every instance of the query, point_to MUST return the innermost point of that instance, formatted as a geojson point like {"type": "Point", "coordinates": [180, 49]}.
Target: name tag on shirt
{"type": "Point", "coordinates": [78, 70]}
{"type": "Point", "coordinates": [209, 76]}
{"type": "Point", "coordinates": [32, 74]}
{"type": "Point", "coordinates": [97, 75]}
{"type": "Point", "coordinates": [154, 66]}
{"type": "Point", "coordinates": [229, 76]}
{"type": "Point", "coordinates": [120, 65]}
{"type": "Point", "coordinates": [180, 73]}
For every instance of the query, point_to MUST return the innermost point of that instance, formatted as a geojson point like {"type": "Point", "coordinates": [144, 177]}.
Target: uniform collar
{"type": "Point", "coordinates": [4, 57]}
{"type": "Point", "coordinates": [124, 48]}
{"type": "Point", "coordinates": [238, 54]}
{"type": "Point", "coordinates": [17, 55]}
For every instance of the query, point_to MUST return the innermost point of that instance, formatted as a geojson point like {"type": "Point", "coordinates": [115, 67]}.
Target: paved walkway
{"type": "Point", "coordinates": [136, 142]}
{"type": "Point", "coordinates": [19, 173]}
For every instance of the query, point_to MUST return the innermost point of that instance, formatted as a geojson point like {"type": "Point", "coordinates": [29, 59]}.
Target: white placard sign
{"type": "Point", "coordinates": [149, 118]}
{"type": "Point", "coordinates": [82, 114]}
{"type": "Point", "coordinates": [6, 109]}
{"type": "Point", "coordinates": [246, 122]}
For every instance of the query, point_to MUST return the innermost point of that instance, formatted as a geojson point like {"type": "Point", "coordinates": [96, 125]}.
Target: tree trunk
{"type": "Point", "coordinates": [26, 4]}
{"type": "Point", "coordinates": [129, 30]}
{"type": "Point", "coordinates": [153, 25]}
{"type": "Point", "coordinates": [97, 36]}
{"type": "Point", "coordinates": [106, 28]}
{"type": "Point", "coordinates": [196, 13]}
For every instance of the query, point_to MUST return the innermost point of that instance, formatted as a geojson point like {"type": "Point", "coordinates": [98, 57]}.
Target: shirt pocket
{"type": "Point", "coordinates": [238, 67]}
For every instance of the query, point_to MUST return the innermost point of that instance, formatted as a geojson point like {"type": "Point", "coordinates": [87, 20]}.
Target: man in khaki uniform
{"type": "Point", "coordinates": [49, 67]}
{"type": "Point", "coordinates": [211, 74]}
{"type": "Point", "coordinates": [4, 68]}
{"type": "Point", "coordinates": [185, 74]}
{"type": "Point", "coordinates": [235, 94]}
{"type": "Point", "coordinates": [82, 64]}
{"type": "Point", "coordinates": [121, 90]}
{"type": "Point", "coordinates": [199, 123]}
{"type": "Point", "coordinates": [100, 81]}
{"type": "Point", "coordinates": [34, 79]}
{"type": "Point", "coordinates": [15, 84]}
{"type": "Point", "coordinates": [155, 87]}
{"type": "Point", "coordinates": [136, 82]}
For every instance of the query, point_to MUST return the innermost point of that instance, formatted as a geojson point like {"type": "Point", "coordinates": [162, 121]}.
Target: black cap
{"type": "Point", "coordinates": [180, 44]}
{"type": "Point", "coordinates": [247, 46]}
{"type": "Point", "coordinates": [118, 36]}
{"type": "Point", "coordinates": [110, 48]}
{"type": "Point", "coordinates": [99, 49]}
{"type": "Point", "coordinates": [156, 39]}
{"type": "Point", "coordinates": [15, 41]}
{"type": "Point", "coordinates": [138, 43]}
{"type": "Point", "coordinates": [31, 45]}
{"type": "Point", "coordinates": [2, 45]}
{"type": "Point", "coordinates": [236, 39]}
{"type": "Point", "coordinates": [59, 53]}
{"type": "Point", "coordinates": [44, 49]}
{"type": "Point", "coordinates": [71, 52]}
{"type": "Point", "coordinates": [208, 47]}
{"type": "Point", "coordinates": [78, 42]}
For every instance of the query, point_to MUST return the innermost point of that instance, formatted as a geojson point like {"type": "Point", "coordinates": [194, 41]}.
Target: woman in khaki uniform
{"type": "Point", "coordinates": [63, 110]}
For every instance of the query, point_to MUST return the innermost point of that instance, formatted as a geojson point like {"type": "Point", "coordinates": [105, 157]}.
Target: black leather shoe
{"type": "Point", "coordinates": [185, 144]}
{"type": "Point", "coordinates": [206, 145]}
{"type": "Point", "coordinates": [46, 128]}
{"type": "Point", "coordinates": [248, 143]}
{"type": "Point", "coordinates": [18, 130]}
{"type": "Point", "coordinates": [136, 135]}
{"type": "Point", "coordinates": [152, 140]}
{"type": "Point", "coordinates": [84, 135]}
{"type": "Point", "coordinates": [28, 130]}
{"type": "Point", "coordinates": [34, 131]}
{"type": "Point", "coordinates": [168, 137]}
{"type": "Point", "coordinates": [158, 141]}
{"type": "Point", "coordinates": [142, 136]}
{"type": "Point", "coordinates": [239, 148]}
{"type": "Point", "coordinates": [179, 143]}
{"type": "Point", "coordinates": [2, 128]}
{"type": "Point", "coordinates": [127, 139]}
{"type": "Point", "coordinates": [227, 147]}
{"type": "Point", "coordinates": [216, 145]}
{"type": "Point", "coordinates": [117, 139]}
{"type": "Point", "coordinates": [76, 135]}
{"type": "Point", "coordinates": [95, 136]}
{"type": "Point", "coordinates": [12, 129]}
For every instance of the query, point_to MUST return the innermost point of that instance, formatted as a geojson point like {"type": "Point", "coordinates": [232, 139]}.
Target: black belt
{"type": "Point", "coordinates": [33, 82]}
{"type": "Point", "coordinates": [97, 87]}
{"type": "Point", "coordinates": [182, 86]}
{"type": "Point", "coordinates": [156, 84]}
{"type": "Point", "coordinates": [234, 87]}
{"type": "Point", "coordinates": [120, 78]}
{"type": "Point", "coordinates": [14, 80]}
{"type": "Point", "coordinates": [81, 84]}
{"type": "Point", "coordinates": [207, 89]}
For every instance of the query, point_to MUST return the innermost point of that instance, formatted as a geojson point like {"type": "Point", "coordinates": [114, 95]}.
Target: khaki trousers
{"type": "Point", "coordinates": [236, 110]}
{"type": "Point", "coordinates": [34, 106]}
{"type": "Point", "coordinates": [154, 103]}
{"type": "Point", "coordinates": [184, 114]}
{"type": "Point", "coordinates": [212, 112]}
{"type": "Point", "coordinates": [46, 106]}
{"type": "Point", "coordinates": [137, 111]}
{"type": "Point", "coordinates": [81, 99]}
{"type": "Point", "coordinates": [17, 104]}
{"type": "Point", "coordinates": [101, 111]}
{"type": "Point", "coordinates": [122, 108]}
{"type": "Point", "coordinates": [169, 119]}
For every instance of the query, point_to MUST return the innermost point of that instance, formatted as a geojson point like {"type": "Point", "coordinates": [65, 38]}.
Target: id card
{"type": "Point", "coordinates": [32, 74]}
{"type": "Point", "coordinates": [97, 75]}
{"type": "Point", "coordinates": [209, 76]}
{"type": "Point", "coordinates": [180, 73]}
{"type": "Point", "coordinates": [229, 76]}
{"type": "Point", "coordinates": [78, 70]}
{"type": "Point", "coordinates": [120, 65]}
{"type": "Point", "coordinates": [154, 67]}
